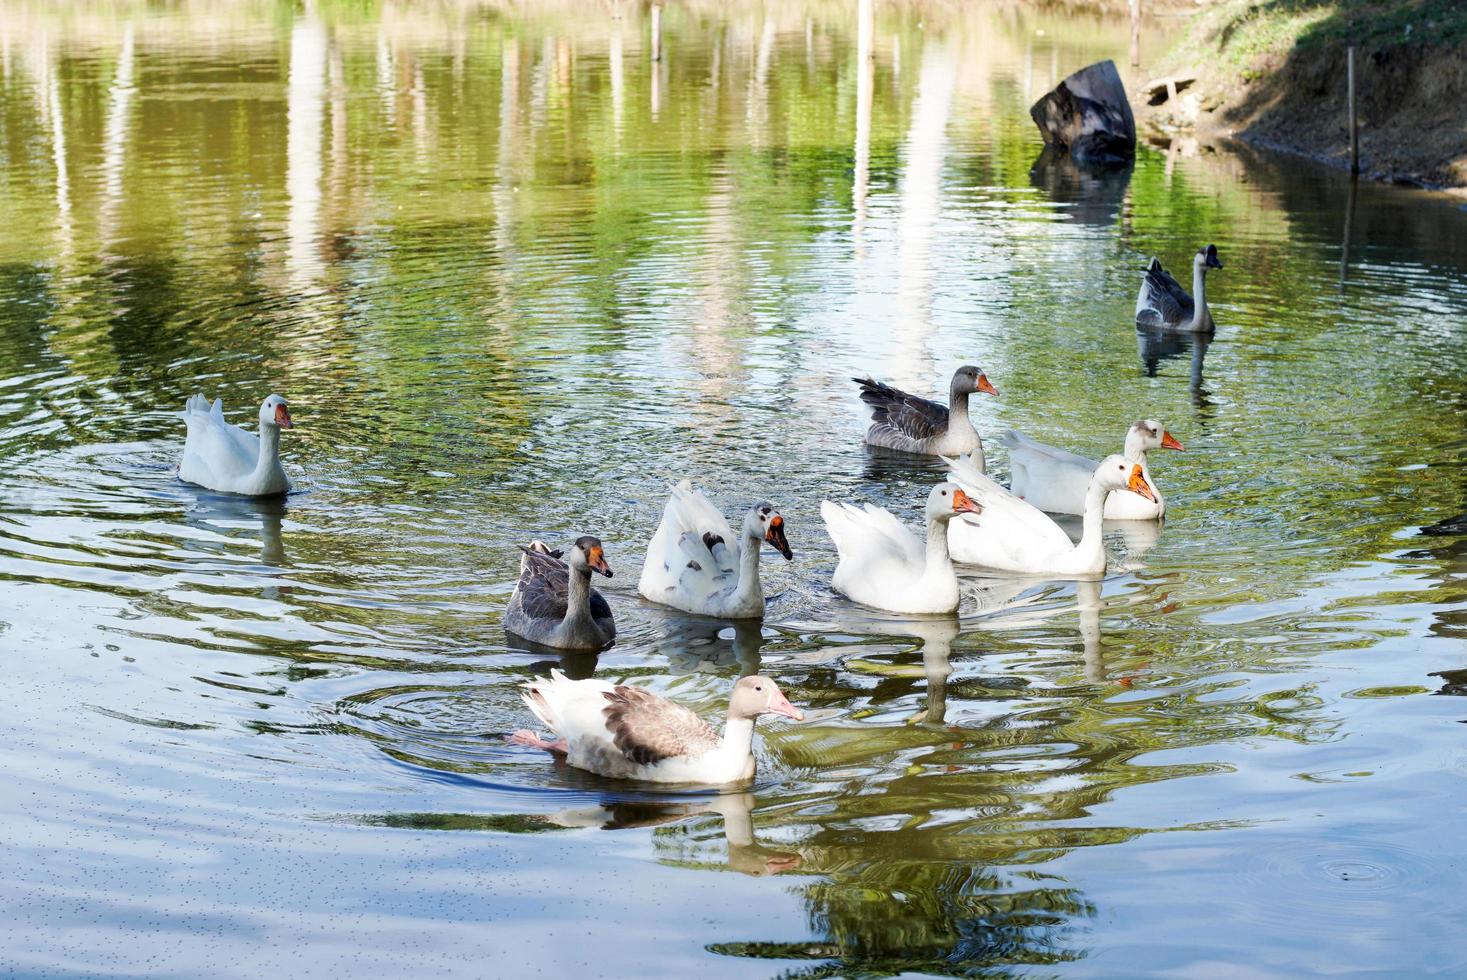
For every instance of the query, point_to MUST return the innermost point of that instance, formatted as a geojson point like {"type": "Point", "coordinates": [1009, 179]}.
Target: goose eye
{"type": "Point", "coordinates": [758, 688]}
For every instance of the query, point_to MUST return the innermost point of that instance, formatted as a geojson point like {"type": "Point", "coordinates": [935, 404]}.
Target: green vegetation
{"type": "Point", "coordinates": [1235, 34]}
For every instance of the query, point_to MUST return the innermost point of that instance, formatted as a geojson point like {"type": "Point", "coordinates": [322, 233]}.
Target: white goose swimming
{"type": "Point", "coordinates": [1013, 535]}
{"type": "Point", "coordinates": [884, 564]}
{"type": "Point", "coordinates": [697, 564]}
{"type": "Point", "coordinates": [627, 732]}
{"type": "Point", "coordinates": [1056, 481]}
{"type": "Point", "coordinates": [226, 458]}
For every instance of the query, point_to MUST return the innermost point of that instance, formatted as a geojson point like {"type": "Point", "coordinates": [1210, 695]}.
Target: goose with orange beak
{"type": "Point", "coordinates": [223, 457]}
{"type": "Point", "coordinates": [910, 423]}
{"type": "Point", "coordinates": [1012, 535]}
{"type": "Point", "coordinates": [885, 565]}
{"type": "Point", "coordinates": [696, 563]}
{"type": "Point", "coordinates": [553, 603]}
{"type": "Point", "coordinates": [1055, 481]}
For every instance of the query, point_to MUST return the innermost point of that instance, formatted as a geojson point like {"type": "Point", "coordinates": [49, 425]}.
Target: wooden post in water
{"type": "Point", "coordinates": [1345, 238]}
{"type": "Point", "coordinates": [1135, 33]}
{"type": "Point", "coordinates": [657, 32]}
{"type": "Point", "coordinates": [1354, 125]}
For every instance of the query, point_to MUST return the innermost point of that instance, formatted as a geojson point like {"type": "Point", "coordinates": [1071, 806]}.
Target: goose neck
{"type": "Point", "coordinates": [738, 737]}
{"type": "Point", "coordinates": [1199, 293]}
{"type": "Point", "coordinates": [269, 447]}
{"type": "Point", "coordinates": [578, 596]}
{"type": "Point", "coordinates": [1092, 524]}
{"type": "Point", "coordinates": [939, 561]}
{"type": "Point", "coordinates": [750, 589]}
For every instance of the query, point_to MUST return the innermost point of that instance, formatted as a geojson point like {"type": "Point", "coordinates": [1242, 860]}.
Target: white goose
{"type": "Point", "coordinates": [226, 458]}
{"type": "Point", "coordinates": [1013, 535]}
{"type": "Point", "coordinates": [627, 732]}
{"type": "Point", "coordinates": [1056, 481]}
{"type": "Point", "coordinates": [884, 564]}
{"type": "Point", "coordinates": [697, 564]}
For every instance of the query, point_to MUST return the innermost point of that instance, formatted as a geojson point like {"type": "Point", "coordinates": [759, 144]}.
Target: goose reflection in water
{"type": "Point", "coordinates": [695, 644]}
{"type": "Point", "coordinates": [1158, 344]}
{"type": "Point", "coordinates": [575, 664]}
{"type": "Point", "coordinates": [227, 514]}
{"type": "Point", "coordinates": [744, 853]}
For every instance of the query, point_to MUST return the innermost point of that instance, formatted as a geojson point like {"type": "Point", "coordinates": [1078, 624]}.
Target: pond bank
{"type": "Point", "coordinates": [1274, 74]}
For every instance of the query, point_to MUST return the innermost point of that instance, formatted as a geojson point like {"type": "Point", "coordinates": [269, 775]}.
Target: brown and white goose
{"type": "Point", "coordinates": [627, 732]}
{"type": "Point", "coordinates": [910, 424]}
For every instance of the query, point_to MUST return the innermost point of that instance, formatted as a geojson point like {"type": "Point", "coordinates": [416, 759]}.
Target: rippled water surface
{"type": "Point", "coordinates": [517, 277]}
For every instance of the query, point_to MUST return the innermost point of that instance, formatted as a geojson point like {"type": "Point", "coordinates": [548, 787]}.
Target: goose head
{"type": "Point", "coordinates": [1116, 472]}
{"type": "Point", "coordinates": [1207, 258]}
{"type": "Point", "coordinates": [947, 500]}
{"type": "Point", "coordinates": [758, 695]}
{"type": "Point", "coordinates": [969, 379]}
{"type": "Point", "coordinates": [586, 555]}
{"type": "Point", "coordinates": [1146, 435]}
{"type": "Point", "coordinates": [275, 411]}
{"type": "Point", "coordinates": [764, 523]}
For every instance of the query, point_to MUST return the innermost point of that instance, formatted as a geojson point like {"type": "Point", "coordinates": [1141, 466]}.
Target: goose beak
{"type": "Point", "coordinates": [775, 536]}
{"type": "Point", "coordinates": [985, 386]}
{"type": "Point", "coordinates": [1168, 442]}
{"type": "Point", "coordinates": [780, 705]}
{"type": "Point", "coordinates": [1137, 484]}
{"type": "Point", "coordinates": [597, 560]}
{"type": "Point", "coordinates": [964, 504]}
{"type": "Point", "coordinates": [282, 417]}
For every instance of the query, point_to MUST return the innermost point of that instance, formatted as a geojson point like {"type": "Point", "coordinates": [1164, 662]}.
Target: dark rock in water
{"type": "Point", "coordinates": [1088, 115]}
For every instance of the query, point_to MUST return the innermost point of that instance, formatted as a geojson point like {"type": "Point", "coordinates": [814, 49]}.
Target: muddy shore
{"type": "Point", "coordinates": [1411, 100]}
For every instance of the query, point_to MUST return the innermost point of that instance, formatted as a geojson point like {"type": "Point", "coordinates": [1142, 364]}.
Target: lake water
{"type": "Point", "coordinates": [516, 278]}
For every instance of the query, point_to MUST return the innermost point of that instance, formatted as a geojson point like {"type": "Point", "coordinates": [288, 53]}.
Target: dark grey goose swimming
{"type": "Point", "coordinates": [912, 424]}
{"type": "Point", "coordinates": [1162, 302]}
{"type": "Point", "coordinates": [553, 604]}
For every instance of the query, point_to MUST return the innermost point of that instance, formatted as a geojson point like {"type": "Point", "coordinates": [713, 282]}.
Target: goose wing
{"type": "Point", "coordinates": [1162, 299]}
{"type": "Point", "coordinates": [648, 728]}
{"type": "Point", "coordinates": [694, 553]}
{"type": "Point", "coordinates": [1032, 452]}
{"type": "Point", "coordinates": [544, 586]}
{"type": "Point", "coordinates": [543, 591]}
{"type": "Point", "coordinates": [214, 448]}
{"type": "Point", "coordinates": [869, 536]}
{"type": "Point", "coordinates": [1006, 521]}
{"type": "Point", "coordinates": [914, 417]}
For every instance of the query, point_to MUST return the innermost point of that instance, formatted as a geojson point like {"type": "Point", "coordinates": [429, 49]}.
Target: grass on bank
{"type": "Point", "coordinates": [1234, 34]}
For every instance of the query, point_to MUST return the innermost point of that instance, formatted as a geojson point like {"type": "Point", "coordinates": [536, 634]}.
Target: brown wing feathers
{"type": "Point", "coordinates": [648, 728]}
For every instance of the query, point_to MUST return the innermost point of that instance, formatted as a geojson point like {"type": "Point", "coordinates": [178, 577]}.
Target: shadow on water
{"type": "Point", "coordinates": [575, 664]}
{"type": "Point", "coordinates": [1093, 194]}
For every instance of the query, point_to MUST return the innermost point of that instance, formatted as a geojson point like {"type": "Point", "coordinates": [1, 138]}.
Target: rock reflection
{"type": "Point", "coordinates": [1094, 194]}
